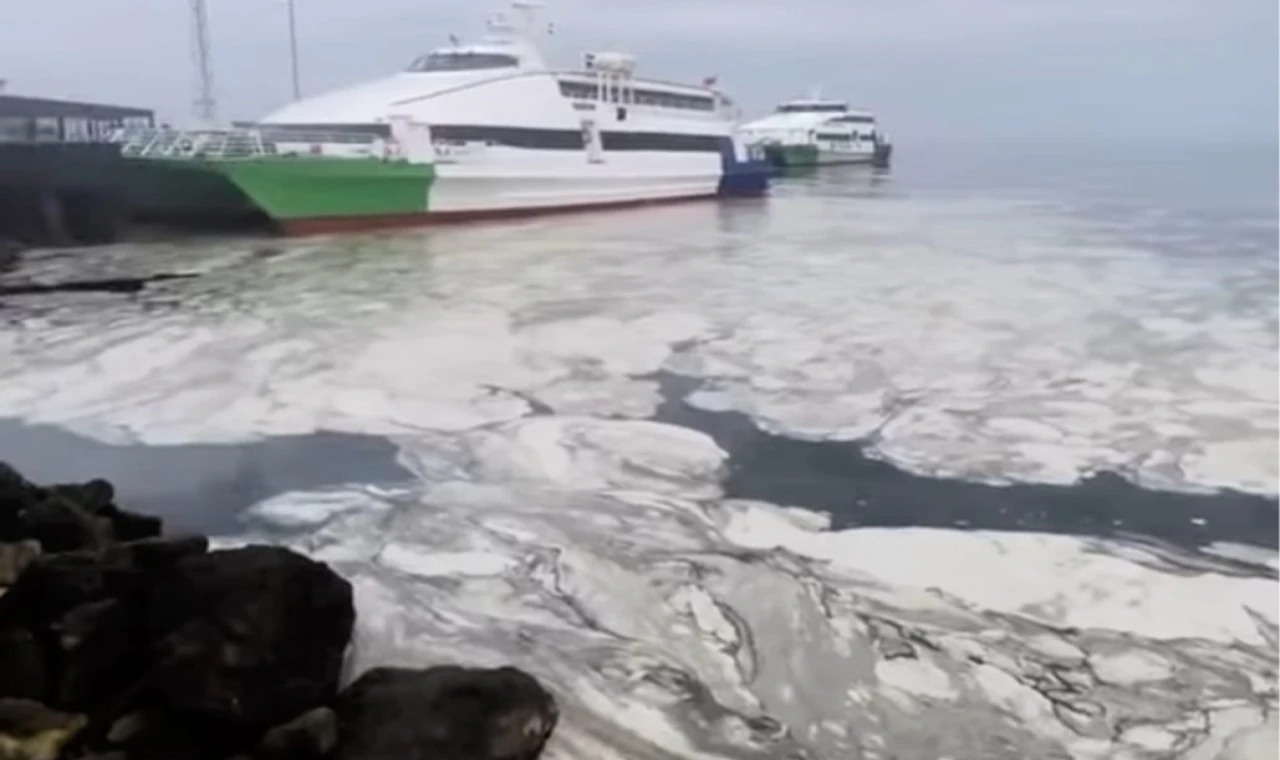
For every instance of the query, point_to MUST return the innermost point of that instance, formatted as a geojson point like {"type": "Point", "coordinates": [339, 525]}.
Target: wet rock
{"type": "Point", "coordinates": [117, 641]}
{"type": "Point", "coordinates": [53, 585]}
{"type": "Point", "coordinates": [160, 734]}
{"type": "Point", "coordinates": [24, 670]}
{"type": "Point", "coordinates": [93, 496]}
{"type": "Point", "coordinates": [67, 517]}
{"type": "Point", "coordinates": [310, 736]}
{"type": "Point", "coordinates": [444, 713]}
{"type": "Point", "coordinates": [14, 558]}
{"type": "Point", "coordinates": [252, 636]}
{"type": "Point", "coordinates": [127, 728]}
{"type": "Point", "coordinates": [14, 490]}
{"type": "Point", "coordinates": [31, 731]}
{"type": "Point", "coordinates": [96, 498]}
{"type": "Point", "coordinates": [11, 483]}
{"type": "Point", "coordinates": [131, 526]}
{"type": "Point", "coordinates": [101, 653]}
{"type": "Point", "coordinates": [60, 526]}
{"type": "Point", "coordinates": [152, 554]}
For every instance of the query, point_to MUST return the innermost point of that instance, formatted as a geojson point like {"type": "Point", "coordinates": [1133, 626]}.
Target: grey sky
{"type": "Point", "coordinates": [932, 69]}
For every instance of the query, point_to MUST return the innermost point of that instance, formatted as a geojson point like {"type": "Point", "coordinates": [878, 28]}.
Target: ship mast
{"type": "Point", "coordinates": [206, 106]}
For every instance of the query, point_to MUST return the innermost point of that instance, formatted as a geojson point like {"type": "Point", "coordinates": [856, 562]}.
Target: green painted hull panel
{"type": "Point", "coordinates": [173, 189]}
{"type": "Point", "coordinates": [303, 188]}
{"type": "Point", "coordinates": [786, 156]}
{"type": "Point", "coordinates": [282, 188]}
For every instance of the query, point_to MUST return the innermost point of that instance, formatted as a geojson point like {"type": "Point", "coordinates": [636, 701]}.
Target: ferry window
{"type": "Point", "coordinates": [577, 90]}
{"type": "Point", "coordinates": [655, 98]}
{"type": "Point", "coordinates": [675, 100]}
{"type": "Point", "coordinates": [463, 61]}
{"type": "Point", "coordinates": [75, 129]}
{"type": "Point", "coordinates": [15, 129]}
{"type": "Point", "coordinates": [47, 129]}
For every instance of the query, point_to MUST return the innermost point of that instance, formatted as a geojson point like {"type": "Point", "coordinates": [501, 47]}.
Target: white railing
{"type": "Point", "coordinates": [248, 143]}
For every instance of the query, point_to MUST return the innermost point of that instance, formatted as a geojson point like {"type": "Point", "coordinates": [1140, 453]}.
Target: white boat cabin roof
{"type": "Point", "coordinates": [810, 113]}
{"type": "Point", "coordinates": [509, 48]}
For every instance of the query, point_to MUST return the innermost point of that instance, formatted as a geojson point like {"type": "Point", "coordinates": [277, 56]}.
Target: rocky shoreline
{"type": "Point", "coordinates": [120, 642]}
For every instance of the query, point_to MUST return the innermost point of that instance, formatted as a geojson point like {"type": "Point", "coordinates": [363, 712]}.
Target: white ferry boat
{"type": "Point", "coordinates": [815, 131]}
{"type": "Point", "coordinates": [482, 129]}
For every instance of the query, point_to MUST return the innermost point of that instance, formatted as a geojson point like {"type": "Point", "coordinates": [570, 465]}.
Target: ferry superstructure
{"type": "Point", "coordinates": [818, 131]}
{"type": "Point", "coordinates": [487, 128]}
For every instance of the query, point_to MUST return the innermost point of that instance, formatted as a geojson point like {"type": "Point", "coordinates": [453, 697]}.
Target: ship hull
{"type": "Point", "coordinates": [804, 155]}
{"type": "Point", "coordinates": [314, 195]}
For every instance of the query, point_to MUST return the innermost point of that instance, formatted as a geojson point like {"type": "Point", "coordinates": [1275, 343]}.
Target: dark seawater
{"type": "Point", "coordinates": [839, 478]}
{"type": "Point", "coordinates": [200, 488]}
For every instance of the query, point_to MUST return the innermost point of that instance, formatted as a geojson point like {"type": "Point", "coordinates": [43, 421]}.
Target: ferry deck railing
{"type": "Point", "coordinates": [246, 143]}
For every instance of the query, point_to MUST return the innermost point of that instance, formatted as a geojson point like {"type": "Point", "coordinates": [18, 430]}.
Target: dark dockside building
{"type": "Point", "coordinates": [28, 120]}
{"type": "Point", "coordinates": [59, 175]}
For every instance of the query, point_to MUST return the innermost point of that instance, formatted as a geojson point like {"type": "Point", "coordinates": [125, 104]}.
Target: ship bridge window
{"type": "Point", "coordinates": [856, 120]}
{"type": "Point", "coordinates": [463, 62]}
{"type": "Point", "coordinates": [667, 99]}
{"type": "Point", "coordinates": [577, 89]}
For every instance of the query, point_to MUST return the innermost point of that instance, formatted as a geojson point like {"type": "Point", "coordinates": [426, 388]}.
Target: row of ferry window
{"type": "Point", "coordinates": [458, 61]}
{"type": "Point", "coordinates": [833, 137]}
{"type": "Point", "coordinates": [63, 129]}
{"type": "Point", "coordinates": [640, 97]}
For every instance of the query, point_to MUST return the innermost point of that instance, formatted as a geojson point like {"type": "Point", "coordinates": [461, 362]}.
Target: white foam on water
{"type": "Point", "coordinates": [1054, 575]}
{"type": "Point", "coordinates": [962, 338]}
{"type": "Point", "coordinates": [680, 627]}
{"type": "Point", "coordinates": [989, 340]}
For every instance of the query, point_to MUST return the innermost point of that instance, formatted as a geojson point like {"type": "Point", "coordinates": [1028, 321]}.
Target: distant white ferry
{"type": "Point", "coordinates": [815, 131]}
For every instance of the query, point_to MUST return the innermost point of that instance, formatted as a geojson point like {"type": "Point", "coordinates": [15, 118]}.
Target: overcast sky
{"type": "Point", "coordinates": [931, 69]}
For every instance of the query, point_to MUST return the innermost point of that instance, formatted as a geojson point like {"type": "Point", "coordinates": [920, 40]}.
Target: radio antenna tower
{"type": "Point", "coordinates": [206, 107]}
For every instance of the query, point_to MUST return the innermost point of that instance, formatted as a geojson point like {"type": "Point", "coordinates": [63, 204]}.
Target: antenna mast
{"type": "Point", "coordinates": [206, 107]}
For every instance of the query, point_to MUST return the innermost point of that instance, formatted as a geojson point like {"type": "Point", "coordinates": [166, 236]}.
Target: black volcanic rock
{"type": "Point", "coordinates": [31, 731]}
{"type": "Point", "coordinates": [67, 517]}
{"type": "Point", "coordinates": [55, 584]}
{"type": "Point", "coordinates": [15, 495]}
{"type": "Point", "coordinates": [100, 651]}
{"type": "Point", "coordinates": [14, 558]}
{"type": "Point", "coordinates": [24, 670]}
{"type": "Point", "coordinates": [253, 636]}
{"type": "Point", "coordinates": [310, 736]}
{"type": "Point", "coordinates": [118, 643]}
{"type": "Point", "coordinates": [60, 525]}
{"type": "Point", "coordinates": [444, 713]}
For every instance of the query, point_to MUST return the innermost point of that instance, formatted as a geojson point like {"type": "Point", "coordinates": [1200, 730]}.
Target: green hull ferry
{"type": "Point", "coordinates": [301, 183]}
{"type": "Point", "coordinates": [791, 156]}
{"type": "Point", "coordinates": [808, 156]}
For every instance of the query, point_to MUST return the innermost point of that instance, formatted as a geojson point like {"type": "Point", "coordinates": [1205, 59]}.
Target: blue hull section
{"type": "Point", "coordinates": [742, 179]}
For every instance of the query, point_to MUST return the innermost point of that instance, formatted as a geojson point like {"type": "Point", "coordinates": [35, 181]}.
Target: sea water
{"type": "Point", "coordinates": [973, 458]}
